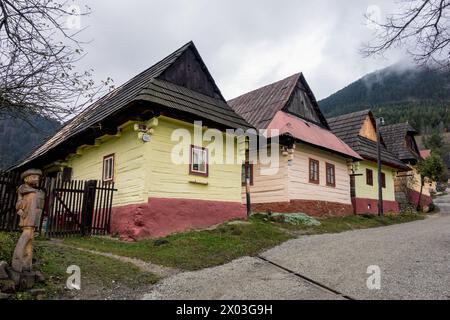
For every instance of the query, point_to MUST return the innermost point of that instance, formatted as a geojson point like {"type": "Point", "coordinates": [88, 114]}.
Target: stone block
{"type": "Point", "coordinates": [3, 272]}
{"type": "Point", "coordinates": [27, 280]}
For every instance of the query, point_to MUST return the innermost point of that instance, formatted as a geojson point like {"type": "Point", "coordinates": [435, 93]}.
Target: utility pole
{"type": "Point", "coordinates": [379, 122]}
{"type": "Point", "coordinates": [247, 188]}
{"type": "Point", "coordinates": [247, 168]}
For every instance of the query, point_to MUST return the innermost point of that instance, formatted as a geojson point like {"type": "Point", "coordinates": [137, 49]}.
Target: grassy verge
{"type": "Point", "coordinates": [341, 224]}
{"type": "Point", "coordinates": [196, 249]}
{"type": "Point", "coordinates": [199, 249]}
{"type": "Point", "coordinates": [100, 276]}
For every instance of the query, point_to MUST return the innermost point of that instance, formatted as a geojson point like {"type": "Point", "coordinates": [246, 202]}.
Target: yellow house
{"type": "Point", "coordinates": [400, 140]}
{"type": "Point", "coordinates": [312, 175]}
{"type": "Point", "coordinates": [144, 137]}
{"type": "Point", "coordinates": [358, 130]}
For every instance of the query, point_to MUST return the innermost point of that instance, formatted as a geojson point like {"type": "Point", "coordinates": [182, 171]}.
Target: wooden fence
{"type": "Point", "coordinates": [9, 182]}
{"type": "Point", "coordinates": [72, 207]}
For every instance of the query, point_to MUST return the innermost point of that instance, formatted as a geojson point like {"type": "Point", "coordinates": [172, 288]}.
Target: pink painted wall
{"type": "Point", "coordinates": [310, 207]}
{"type": "Point", "coordinates": [361, 206]}
{"type": "Point", "coordinates": [162, 216]}
{"type": "Point", "coordinates": [413, 198]}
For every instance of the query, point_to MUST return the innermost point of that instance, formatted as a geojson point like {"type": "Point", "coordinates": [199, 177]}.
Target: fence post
{"type": "Point", "coordinates": [88, 206]}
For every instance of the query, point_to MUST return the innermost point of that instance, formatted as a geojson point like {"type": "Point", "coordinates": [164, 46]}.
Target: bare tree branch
{"type": "Point", "coordinates": [422, 27]}
{"type": "Point", "coordinates": [38, 55]}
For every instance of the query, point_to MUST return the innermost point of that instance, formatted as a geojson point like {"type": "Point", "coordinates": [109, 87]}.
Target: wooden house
{"type": "Point", "coordinates": [313, 174]}
{"type": "Point", "coordinates": [400, 141]}
{"type": "Point", "coordinates": [358, 130]}
{"type": "Point", "coordinates": [126, 137]}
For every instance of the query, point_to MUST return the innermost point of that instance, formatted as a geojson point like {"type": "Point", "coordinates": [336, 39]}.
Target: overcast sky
{"type": "Point", "coordinates": [245, 44]}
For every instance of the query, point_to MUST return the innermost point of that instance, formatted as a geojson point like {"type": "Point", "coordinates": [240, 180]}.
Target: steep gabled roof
{"type": "Point", "coordinates": [395, 138]}
{"type": "Point", "coordinates": [260, 106]}
{"type": "Point", "coordinates": [153, 85]}
{"type": "Point", "coordinates": [348, 126]}
{"type": "Point", "coordinates": [290, 107]}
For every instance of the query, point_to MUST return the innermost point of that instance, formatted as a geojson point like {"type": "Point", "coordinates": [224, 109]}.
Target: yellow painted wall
{"type": "Point", "coordinates": [362, 190]}
{"type": "Point", "coordinates": [412, 180]}
{"type": "Point", "coordinates": [130, 168]}
{"type": "Point", "coordinates": [145, 169]}
{"type": "Point", "coordinates": [170, 180]}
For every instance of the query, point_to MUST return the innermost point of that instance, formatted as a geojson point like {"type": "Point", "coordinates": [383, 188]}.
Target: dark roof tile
{"type": "Point", "coordinates": [394, 137]}
{"type": "Point", "coordinates": [259, 106]}
{"type": "Point", "coordinates": [146, 86]}
{"type": "Point", "coordinates": [348, 126]}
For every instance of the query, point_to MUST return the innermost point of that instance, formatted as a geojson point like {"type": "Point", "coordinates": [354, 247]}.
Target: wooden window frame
{"type": "Point", "coordinates": [328, 166]}
{"type": "Point", "coordinates": [251, 172]}
{"type": "Point", "coordinates": [383, 180]}
{"type": "Point", "coordinates": [311, 178]}
{"type": "Point", "coordinates": [194, 172]}
{"type": "Point", "coordinates": [369, 182]}
{"type": "Point", "coordinates": [105, 158]}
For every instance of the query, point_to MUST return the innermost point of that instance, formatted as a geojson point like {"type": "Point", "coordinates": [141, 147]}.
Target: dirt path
{"type": "Point", "coordinates": [144, 266]}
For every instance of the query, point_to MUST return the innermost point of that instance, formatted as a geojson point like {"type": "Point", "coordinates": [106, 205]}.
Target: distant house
{"type": "Point", "coordinates": [313, 173]}
{"type": "Point", "coordinates": [400, 141]}
{"type": "Point", "coordinates": [126, 137]}
{"type": "Point", "coordinates": [358, 130]}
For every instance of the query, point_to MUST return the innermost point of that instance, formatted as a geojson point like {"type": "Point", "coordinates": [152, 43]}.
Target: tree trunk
{"type": "Point", "coordinates": [420, 193]}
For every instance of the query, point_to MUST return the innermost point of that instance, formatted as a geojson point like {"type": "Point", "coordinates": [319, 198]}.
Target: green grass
{"type": "Point", "coordinates": [96, 271]}
{"type": "Point", "coordinates": [7, 244]}
{"type": "Point", "coordinates": [353, 222]}
{"type": "Point", "coordinates": [200, 249]}
{"type": "Point", "coordinates": [196, 249]}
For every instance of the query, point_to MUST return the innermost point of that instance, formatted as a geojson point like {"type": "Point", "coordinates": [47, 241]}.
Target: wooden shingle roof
{"type": "Point", "coordinates": [289, 107]}
{"type": "Point", "coordinates": [259, 107]}
{"type": "Point", "coordinates": [395, 136]}
{"type": "Point", "coordinates": [154, 86]}
{"type": "Point", "coordinates": [348, 126]}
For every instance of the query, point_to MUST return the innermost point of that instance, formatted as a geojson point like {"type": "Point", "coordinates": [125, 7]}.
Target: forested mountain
{"type": "Point", "coordinates": [420, 96]}
{"type": "Point", "coordinates": [17, 137]}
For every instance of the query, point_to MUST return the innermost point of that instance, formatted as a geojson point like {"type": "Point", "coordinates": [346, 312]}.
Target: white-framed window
{"type": "Point", "coordinates": [108, 168]}
{"type": "Point", "coordinates": [199, 161]}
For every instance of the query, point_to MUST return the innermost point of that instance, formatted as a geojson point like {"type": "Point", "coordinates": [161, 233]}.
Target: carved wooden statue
{"type": "Point", "coordinates": [29, 207]}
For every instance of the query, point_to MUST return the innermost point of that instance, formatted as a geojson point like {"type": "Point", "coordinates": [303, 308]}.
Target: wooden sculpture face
{"type": "Point", "coordinates": [32, 180]}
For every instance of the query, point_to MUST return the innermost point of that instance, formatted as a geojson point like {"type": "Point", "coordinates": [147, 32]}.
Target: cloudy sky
{"type": "Point", "coordinates": [245, 44]}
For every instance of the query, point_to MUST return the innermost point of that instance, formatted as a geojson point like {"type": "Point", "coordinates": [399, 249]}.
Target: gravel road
{"type": "Point", "coordinates": [414, 259]}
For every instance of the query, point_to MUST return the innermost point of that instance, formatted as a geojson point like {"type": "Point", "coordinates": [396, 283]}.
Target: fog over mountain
{"type": "Point", "coordinates": [401, 92]}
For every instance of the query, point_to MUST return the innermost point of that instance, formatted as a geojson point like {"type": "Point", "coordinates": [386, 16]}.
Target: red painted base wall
{"type": "Point", "coordinates": [413, 198]}
{"type": "Point", "coordinates": [310, 207]}
{"type": "Point", "coordinates": [160, 216]}
{"type": "Point", "coordinates": [361, 206]}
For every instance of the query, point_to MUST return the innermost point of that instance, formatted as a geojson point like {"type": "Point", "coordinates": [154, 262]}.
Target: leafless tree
{"type": "Point", "coordinates": [422, 26]}
{"type": "Point", "coordinates": [39, 52]}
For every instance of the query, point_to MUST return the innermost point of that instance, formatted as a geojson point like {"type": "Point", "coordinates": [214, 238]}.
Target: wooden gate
{"type": "Point", "coordinates": [78, 208]}
{"type": "Point", "coordinates": [72, 207]}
